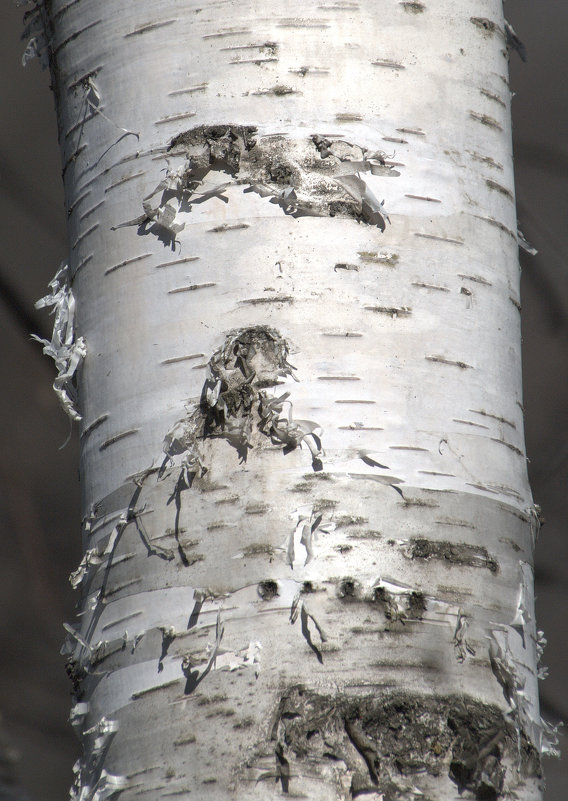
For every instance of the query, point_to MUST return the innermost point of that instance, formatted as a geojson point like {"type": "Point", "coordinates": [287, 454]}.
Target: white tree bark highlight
{"type": "Point", "coordinates": [308, 528]}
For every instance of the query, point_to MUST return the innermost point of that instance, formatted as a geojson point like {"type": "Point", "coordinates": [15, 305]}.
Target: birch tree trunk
{"type": "Point", "coordinates": [292, 304]}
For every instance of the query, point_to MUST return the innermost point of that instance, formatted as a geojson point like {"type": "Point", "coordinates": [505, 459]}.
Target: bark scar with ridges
{"type": "Point", "coordinates": [237, 403]}
{"type": "Point", "coordinates": [315, 177]}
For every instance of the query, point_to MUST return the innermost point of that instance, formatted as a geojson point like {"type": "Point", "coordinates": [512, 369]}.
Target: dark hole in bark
{"type": "Point", "coordinates": [347, 588]}
{"type": "Point", "coordinates": [267, 589]}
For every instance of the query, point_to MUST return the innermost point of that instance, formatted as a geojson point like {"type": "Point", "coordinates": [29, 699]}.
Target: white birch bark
{"type": "Point", "coordinates": [308, 529]}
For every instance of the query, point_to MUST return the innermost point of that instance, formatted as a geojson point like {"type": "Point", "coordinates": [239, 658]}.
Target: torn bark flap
{"type": "Point", "coordinates": [239, 404]}
{"type": "Point", "coordinates": [305, 177]}
{"type": "Point", "coordinates": [65, 349]}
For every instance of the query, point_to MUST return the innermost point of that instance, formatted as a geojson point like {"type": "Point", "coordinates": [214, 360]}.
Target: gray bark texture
{"type": "Point", "coordinates": [289, 331]}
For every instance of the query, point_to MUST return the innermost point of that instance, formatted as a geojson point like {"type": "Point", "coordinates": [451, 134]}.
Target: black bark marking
{"type": "Point", "coordinates": [497, 417]}
{"type": "Point", "coordinates": [279, 91]}
{"type": "Point", "coordinates": [268, 299]}
{"type": "Point", "coordinates": [485, 119]}
{"type": "Point", "coordinates": [191, 673]}
{"type": "Point", "coordinates": [176, 359]}
{"type": "Point", "coordinates": [168, 636]}
{"type": "Point", "coordinates": [282, 767]}
{"type": "Point", "coordinates": [348, 588]}
{"type": "Point", "coordinates": [175, 117]}
{"type": "Point", "coordinates": [501, 189]}
{"type": "Point", "coordinates": [94, 424]}
{"type": "Point", "coordinates": [125, 263]}
{"type": "Point", "coordinates": [182, 483]}
{"type": "Point", "coordinates": [437, 238]}
{"type": "Point", "coordinates": [477, 279]}
{"type": "Point", "coordinates": [191, 288]}
{"type": "Point", "coordinates": [304, 618]}
{"type": "Point", "coordinates": [117, 437]}
{"type": "Point", "coordinates": [268, 589]}
{"type": "Point", "coordinates": [453, 553]}
{"type": "Point", "coordinates": [508, 445]}
{"type": "Point", "coordinates": [484, 24]}
{"type": "Point", "coordinates": [492, 96]}
{"type": "Point", "coordinates": [413, 8]}
{"type": "Point", "coordinates": [430, 286]}
{"type": "Point", "coordinates": [195, 612]}
{"type": "Point", "coordinates": [149, 26]}
{"type": "Point", "coordinates": [499, 225]}
{"type": "Point", "coordinates": [390, 259]}
{"type": "Point", "coordinates": [443, 360]}
{"type": "Point", "coordinates": [391, 311]}
{"type": "Point", "coordinates": [385, 62]}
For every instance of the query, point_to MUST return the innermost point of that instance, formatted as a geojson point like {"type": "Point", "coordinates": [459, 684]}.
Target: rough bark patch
{"type": "Point", "coordinates": [453, 553]}
{"type": "Point", "coordinates": [413, 8]}
{"type": "Point", "coordinates": [388, 742]}
{"type": "Point", "coordinates": [238, 404]}
{"type": "Point", "coordinates": [315, 176]}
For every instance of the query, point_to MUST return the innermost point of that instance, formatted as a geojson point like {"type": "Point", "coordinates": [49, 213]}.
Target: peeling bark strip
{"type": "Point", "coordinates": [382, 743]}
{"type": "Point", "coordinates": [316, 177]}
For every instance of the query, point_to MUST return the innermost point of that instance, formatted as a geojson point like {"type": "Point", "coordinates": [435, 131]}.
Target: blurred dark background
{"type": "Point", "coordinates": [39, 506]}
